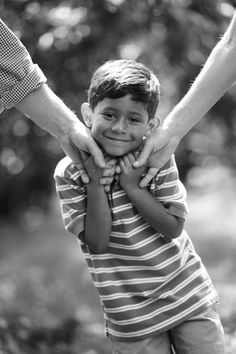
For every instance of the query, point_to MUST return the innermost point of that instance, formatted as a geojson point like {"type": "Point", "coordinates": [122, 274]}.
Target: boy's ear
{"type": "Point", "coordinates": [86, 112]}
{"type": "Point", "coordinates": [153, 124]}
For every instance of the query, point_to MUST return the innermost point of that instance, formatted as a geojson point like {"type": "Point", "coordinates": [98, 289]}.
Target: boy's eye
{"type": "Point", "coordinates": [109, 115]}
{"type": "Point", "coordinates": [134, 120]}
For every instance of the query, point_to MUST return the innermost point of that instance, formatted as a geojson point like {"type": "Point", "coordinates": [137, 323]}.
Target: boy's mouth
{"type": "Point", "coordinates": [118, 139]}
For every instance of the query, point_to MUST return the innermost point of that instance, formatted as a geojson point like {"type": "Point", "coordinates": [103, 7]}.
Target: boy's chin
{"type": "Point", "coordinates": [116, 152]}
{"type": "Point", "coordinates": [111, 151]}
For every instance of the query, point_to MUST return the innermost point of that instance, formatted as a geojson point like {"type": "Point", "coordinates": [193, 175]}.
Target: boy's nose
{"type": "Point", "coordinates": [119, 127]}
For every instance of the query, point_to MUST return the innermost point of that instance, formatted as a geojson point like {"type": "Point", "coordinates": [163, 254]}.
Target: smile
{"type": "Point", "coordinates": [118, 140]}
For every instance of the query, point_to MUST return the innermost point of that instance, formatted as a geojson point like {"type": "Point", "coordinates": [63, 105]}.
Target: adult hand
{"type": "Point", "coordinates": [157, 150]}
{"type": "Point", "coordinates": [81, 137]}
{"type": "Point", "coordinates": [49, 112]}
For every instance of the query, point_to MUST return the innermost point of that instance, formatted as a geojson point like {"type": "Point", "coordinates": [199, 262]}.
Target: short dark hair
{"type": "Point", "coordinates": [117, 78]}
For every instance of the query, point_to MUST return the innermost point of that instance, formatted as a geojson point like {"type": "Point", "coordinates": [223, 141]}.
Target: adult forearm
{"type": "Point", "coordinates": [98, 219]}
{"type": "Point", "coordinates": [218, 73]}
{"type": "Point", "coordinates": [48, 111]}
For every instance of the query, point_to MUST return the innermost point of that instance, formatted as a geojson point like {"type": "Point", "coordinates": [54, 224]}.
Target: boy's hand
{"type": "Point", "coordinates": [93, 171]}
{"type": "Point", "coordinates": [109, 173]}
{"type": "Point", "coordinates": [129, 176]}
{"type": "Point", "coordinates": [100, 175]}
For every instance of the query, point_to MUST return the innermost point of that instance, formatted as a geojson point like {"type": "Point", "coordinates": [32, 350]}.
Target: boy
{"type": "Point", "coordinates": [155, 291]}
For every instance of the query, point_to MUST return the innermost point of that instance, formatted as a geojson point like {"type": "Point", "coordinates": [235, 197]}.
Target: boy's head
{"type": "Point", "coordinates": [118, 78]}
{"type": "Point", "coordinates": [122, 100]}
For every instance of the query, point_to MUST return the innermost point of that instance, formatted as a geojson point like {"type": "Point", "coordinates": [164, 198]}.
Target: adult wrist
{"type": "Point", "coordinates": [179, 121]}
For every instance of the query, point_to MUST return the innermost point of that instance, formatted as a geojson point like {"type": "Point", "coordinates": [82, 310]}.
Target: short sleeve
{"type": "Point", "coordinates": [168, 189]}
{"type": "Point", "coordinates": [18, 74]}
{"type": "Point", "coordinates": [72, 196]}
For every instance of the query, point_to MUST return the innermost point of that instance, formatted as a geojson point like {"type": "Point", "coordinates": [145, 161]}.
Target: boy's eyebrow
{"type": "Point", "coordinates": [136, 113]}
{"type": "Point", "coordinates": [109, 107]}
{"type": "Point", "coordinates": [116, 110]}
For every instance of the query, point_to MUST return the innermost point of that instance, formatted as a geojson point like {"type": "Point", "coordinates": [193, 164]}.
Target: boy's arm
{"type": "Point", "coordinates": [97, 229]}
{"type": "Point", "coordinates": [98, 222]}
{"type": "Point", "coordinates": [87, 217]}
{"type": "Point", "coordinates": [155, 211]}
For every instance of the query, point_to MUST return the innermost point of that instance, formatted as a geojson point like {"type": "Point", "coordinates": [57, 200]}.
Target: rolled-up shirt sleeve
{"type": "Point", "coordinates": [18, 74]}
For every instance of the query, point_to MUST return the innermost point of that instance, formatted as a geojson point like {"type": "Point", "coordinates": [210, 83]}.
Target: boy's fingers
{"type": "Point", "coordinates": [147, 178]}
{"type": "Point", "coordinates": [106, 182]}
{"type": "Point", "coordinates": [107, 188]}
{"type": "Point", "coordinates": [117, 169]}
{"type": "Point", "coordinates": [136, 154]}
{"type": "Point", "coordinates": [84, 176]}
{"type": "Point", "coordinates": [112, 162]}
{"type": "Point", "coordinates": [109, 172]}
{"type": "Point", "coordinates": [125, 159]}
{"type": "Point", "coordinates": [131, 157]}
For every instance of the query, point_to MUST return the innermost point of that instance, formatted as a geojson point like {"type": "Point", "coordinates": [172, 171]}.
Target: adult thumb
{"type": "Point", "coordinates": [143, 156]}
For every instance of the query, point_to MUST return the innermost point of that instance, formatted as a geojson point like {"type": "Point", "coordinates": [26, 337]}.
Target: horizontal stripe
{"type": "Point", "coordinates": [159, 311]}
{"type": "Point", "coordinates": [146, 283]}
{"type": "Point", "coordinates": [169, 322]}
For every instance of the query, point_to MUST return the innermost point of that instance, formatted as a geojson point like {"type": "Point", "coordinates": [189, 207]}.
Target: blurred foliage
{"type": "Point", "coordinates": [69, 39]}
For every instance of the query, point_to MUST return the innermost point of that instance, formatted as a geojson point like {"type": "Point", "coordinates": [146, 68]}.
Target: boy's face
{"type": "Point", "coordinates": [118, 125]}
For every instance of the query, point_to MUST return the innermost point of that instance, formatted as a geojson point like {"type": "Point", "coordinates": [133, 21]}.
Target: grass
{"type": "Point", "coordinates": [47, 301]}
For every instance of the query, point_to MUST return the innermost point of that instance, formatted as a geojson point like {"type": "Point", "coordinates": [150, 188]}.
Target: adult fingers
{"type": "Point", "coordinates": [157, 161]}
{"type": "Point", "coordinates": [144, 154]}
{"type": "Point", "coordinates": [80, 166]}
{"type": "Point", "coordinates": [71, 151]}
{"type": "Point", "coordinates": [97, 154]}
{"type": "Point", "coordinates": [82, 138]}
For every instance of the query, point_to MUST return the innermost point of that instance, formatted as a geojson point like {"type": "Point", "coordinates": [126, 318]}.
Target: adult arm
{"type": "Point", "coordinates": [217, 75]}
{"type": "Point", "coordinates": [22, 85]}
{"type": "Point", "coordinates": [49, 112]}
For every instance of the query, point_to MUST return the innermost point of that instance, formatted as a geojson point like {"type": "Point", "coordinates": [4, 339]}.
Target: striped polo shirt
{"type": "Point", "coordinates": [146, 283]}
